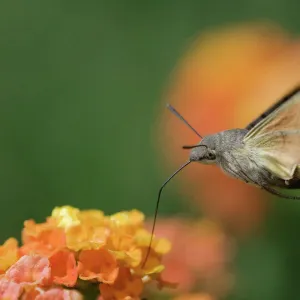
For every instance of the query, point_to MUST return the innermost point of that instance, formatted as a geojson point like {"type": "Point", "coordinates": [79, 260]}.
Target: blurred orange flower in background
{"type": "Point", "coordinates": [194, 297]}
{"type": "Point", "coordinates": [200, 257]}
{"type": "Point", "coordinates": [227, 78]}
{"type": "Point", "coordinates": [73, 245]}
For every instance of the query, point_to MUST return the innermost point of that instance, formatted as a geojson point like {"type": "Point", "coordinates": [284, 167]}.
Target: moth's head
{"type": "Point", "coordinates": [202, 152]}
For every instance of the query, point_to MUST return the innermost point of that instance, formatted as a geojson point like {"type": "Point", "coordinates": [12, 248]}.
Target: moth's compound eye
{"type": "Point", "coordinates": [211, 155]}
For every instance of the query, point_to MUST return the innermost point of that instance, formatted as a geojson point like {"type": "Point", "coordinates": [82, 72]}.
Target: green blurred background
{"type": "Point", "coordinates": [81, 87]}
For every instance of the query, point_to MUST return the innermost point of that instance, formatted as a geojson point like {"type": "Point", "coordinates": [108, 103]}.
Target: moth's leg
{"type": "Point", "coordinates": [242, 174]}
{"type": "Point", "coordinates": [276, 193]}
{"type": "Point", "coordinates": [266, 187]}
{"type": "Point", "coordinates": [235, 174]}
{"type": "Point", "coordinates": [293, 184]}
{"type": "Point", "coordinates": [232, 169]}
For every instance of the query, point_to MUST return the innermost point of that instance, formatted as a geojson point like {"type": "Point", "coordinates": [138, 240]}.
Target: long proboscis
{"type": "Point", "coordinates": [156, 209]}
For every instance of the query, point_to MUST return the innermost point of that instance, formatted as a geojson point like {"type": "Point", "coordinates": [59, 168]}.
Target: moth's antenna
{"type": "Point", "coordinates": [178, 115]}
{"type": "Point", "coordinates": [156, 208]}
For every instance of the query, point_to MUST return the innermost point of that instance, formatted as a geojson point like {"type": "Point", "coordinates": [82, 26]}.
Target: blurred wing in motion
{"type": "Point", "coordinates": [275, 137]}
{"type": "Point", "coordinates": [273, 108]}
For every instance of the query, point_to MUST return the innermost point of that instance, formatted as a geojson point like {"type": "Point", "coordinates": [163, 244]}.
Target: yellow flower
{"type": "Point", "coordinates": [66, 216]}
{"type": "Point", "coordinates": [127, 219]}
{"type": "Point", "coordinates": [160, 246]}
{"type": "Point", "coordinates": [83, 229]}
{"type": "Point", "coordinates": [8, 254]}
{"type": "Point", "coordinates": [92, 217]}
{"type": "Point", "coordinates": [131, 258]}
{"type": "Point", "coordinates": [82, 237]}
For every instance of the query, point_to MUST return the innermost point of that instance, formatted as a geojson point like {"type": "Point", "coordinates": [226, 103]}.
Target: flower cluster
{"type": "Point", "coordinates": [75, 250]}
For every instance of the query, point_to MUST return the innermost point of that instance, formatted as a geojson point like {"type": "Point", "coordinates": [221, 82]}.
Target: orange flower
{"type": "Point", "coordinates": [97, 264]}
{"type": "Point", "coordinates": [200, 255]}
{"type": "Point", "coordinates": [177, 270]}
{"type": "Point", "coordinates": [36, 248]}
{"type": "Point", "coordinates": [8, 254]}
{"type": "Point", "coordinates": [126, 285]}
{"type": "Point", "coordinates": [210, 89]}
{"type": "Point", "coordinates": [45, 238]}
{"type": "Point", "coordinates": [30, 270]}
{"type": "Point", "coordinates": [63, 268]}
{"type": "Point", "coordinates": [276, 81]}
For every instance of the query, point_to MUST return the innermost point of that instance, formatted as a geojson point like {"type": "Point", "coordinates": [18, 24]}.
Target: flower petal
{"type": "Point", "coordinates": [82, 237]}
{"type": "Point", "coordinates": [92, 217]}
{"type": "Point", "coordinates": [63, 268]}
{"type": "Point", "coordinates": [33, 248]}
{"type": "Point", "coordinates": [159, 245]}
{"type": "Point", "coordinates": [60, 294]}
{"type": "Point", "coordinates": [66, 216]}
{"type": "Point", "coordinates": [131, 258]}
{"type": "Point", "coordinates": [128, 218]}
{"type": "Point", "coordinates": [45, 234]}
{"type": "Point", "coordinates": [126, 286]}
{"type": "Point", "coordinates": [30, 270]}
{"type": "Point", "coordinates": [97, 264]}
{"type": "Point", "coordinates": [32, 293]}
{"type": "Point", "coordinates": [10, 290]}
{"type": "Point", "coordinates": [8, 254]}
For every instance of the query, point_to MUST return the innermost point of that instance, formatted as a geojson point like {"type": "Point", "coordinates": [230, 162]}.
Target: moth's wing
{"type": "Point", "coordinates": [273, 108]}
{"type": "Point", "coordinates": [276, 139]}
{"type": "Point", "coordinates": [278, 152]}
